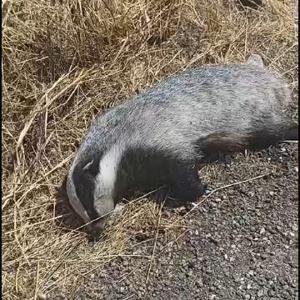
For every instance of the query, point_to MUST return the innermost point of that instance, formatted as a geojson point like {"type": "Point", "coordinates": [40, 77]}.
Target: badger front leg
{"type": "Point", "coordinates": [186, 185]}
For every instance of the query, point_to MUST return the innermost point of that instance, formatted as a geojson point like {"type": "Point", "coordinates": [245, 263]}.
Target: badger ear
{"type": "Point", "coordinates": [88, 166]}
{"type": "Point", "coordinates": [91, 167]}
{"type": "Point", "coordinates": [255, 60]}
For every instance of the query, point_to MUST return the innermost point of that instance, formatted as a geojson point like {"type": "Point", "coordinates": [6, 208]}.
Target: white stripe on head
{"type": "Point", "coordinates": [105, 180]}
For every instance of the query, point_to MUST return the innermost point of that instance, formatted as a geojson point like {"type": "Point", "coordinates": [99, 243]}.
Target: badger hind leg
{"type": "Point", "coordinates": [185, 186]}
{"type": "Point", "coordinates": [225, 142]}
{"type": "Point", "coordinates": [221, 142]}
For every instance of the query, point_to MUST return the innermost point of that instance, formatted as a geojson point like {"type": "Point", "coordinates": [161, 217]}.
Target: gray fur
{"type": "Point", "coordinates": [174, 114]}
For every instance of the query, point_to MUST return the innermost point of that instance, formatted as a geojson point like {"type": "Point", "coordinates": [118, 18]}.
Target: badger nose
{"type": "Point", "coordinates": [96, 227]}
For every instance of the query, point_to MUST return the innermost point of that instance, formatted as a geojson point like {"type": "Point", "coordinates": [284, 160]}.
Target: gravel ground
{"type": "Point", "coordinates": [241, 243]}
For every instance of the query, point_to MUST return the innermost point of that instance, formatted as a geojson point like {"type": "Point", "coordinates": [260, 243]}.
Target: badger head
{"type": "Point", "coordinates": [90, 188]}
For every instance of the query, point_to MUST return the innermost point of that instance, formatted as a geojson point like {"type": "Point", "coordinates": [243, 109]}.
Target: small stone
{"type": "Point", "coordinates": [125, 263]}
{"type": "Point", "coordinates": [271, 193]}
{"type": "Point", "coordinates": [218, 200]}
{"type": "Point", "coordinates": [196, 232]}
{"type": "Point", "coordinates": [285, 295]}
{"type": "Point", "coordinates": [247, 297]}
{"type": "Point", "coordinates": [262, 231]}
{"type": "Point", "coordinates": [207, 192]}
{"type": "Point", "coordinates": [199, 283]}
{"type": "Point", "coordinates": [264, 256]}
{"type": "Point", "coordinates": [249, 286]}
{"type": "Point", "coordinates": [140, 294]}
{"type": "Point", "coordinates": [260, 293]}
{"type": "Point", "coordinates": [122, 289]}
{"type": "Point", "coordinates": [271, 293]}
{"type": "Point", "coordinates": [296, 169]}
{"type": "Point", "coordinates": [295, 227]}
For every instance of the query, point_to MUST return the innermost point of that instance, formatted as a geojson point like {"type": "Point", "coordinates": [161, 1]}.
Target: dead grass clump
{"type": "Point", "coordinates": [63, 62]}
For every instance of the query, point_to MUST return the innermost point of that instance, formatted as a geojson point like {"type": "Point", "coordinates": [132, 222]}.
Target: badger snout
{"type": "Point", "coordinates": [96, 227]}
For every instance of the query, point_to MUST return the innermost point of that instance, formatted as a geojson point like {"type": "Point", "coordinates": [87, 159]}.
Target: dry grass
{"type": "Point", "coordinates": [63, 62]}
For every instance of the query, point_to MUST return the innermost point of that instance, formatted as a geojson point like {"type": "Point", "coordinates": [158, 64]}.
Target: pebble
{"type": "Point", "coordinates": [271, 293]}
{"type": "Point", "coordinates": [260, 293]}
{"type": "Point", "coordinates": [262, 231]}
{"type": "Point", "coordinates": [286, 287]}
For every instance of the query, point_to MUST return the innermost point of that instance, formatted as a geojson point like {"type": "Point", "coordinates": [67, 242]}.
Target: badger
{"type": "Point", "coordinates": [158, 137]}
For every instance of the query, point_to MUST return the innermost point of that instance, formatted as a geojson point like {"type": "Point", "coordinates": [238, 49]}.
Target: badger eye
{"type": "Point", "coordinates": [99, 198]}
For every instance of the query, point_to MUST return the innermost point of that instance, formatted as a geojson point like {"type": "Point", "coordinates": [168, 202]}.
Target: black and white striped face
{"type": "Point", "coordinates": [90, 188]}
